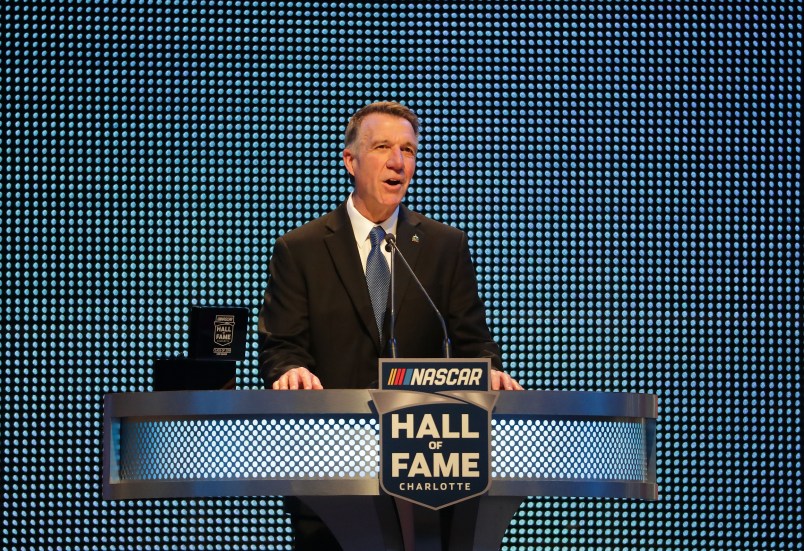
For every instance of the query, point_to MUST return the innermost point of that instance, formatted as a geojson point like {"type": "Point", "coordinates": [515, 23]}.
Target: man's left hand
{"type": "Point", "coordinates": [501, 380]}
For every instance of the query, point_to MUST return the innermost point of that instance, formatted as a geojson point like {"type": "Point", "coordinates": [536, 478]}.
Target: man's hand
{"type": "Point", "coordinates": [296, 379]}
{"type": "Point", "coordinates": [503, 381]}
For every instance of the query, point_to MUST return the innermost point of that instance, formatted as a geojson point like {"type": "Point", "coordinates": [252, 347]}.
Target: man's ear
{"type": "Point", "coordinates": [348, 160]}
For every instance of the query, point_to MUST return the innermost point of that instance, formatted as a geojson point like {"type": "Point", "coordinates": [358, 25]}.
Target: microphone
{"type": "Point", "coordinates": [392, 348]}
{"type": "Point", "coordinates": [390, 246]}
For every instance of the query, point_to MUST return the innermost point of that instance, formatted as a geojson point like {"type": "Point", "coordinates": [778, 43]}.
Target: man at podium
{"type": "Point", "coordinates": [325, 319]}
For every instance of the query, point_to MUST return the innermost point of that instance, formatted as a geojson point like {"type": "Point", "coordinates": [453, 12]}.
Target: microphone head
{"type": "Point", "coordinates": [390, 241]}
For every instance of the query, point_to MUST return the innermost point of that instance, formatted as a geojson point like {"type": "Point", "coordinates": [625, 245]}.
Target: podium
{"type": "Point", "coordinates": [324, 447]}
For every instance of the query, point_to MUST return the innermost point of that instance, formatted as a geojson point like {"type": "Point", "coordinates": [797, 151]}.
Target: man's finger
{"type": "Point", "coordinates": [509, 385]}
{"type": "Point", "coordinates": [503, 381]}
{"type": "Point", "coordinates": [281, 383]}
{"type": "Point", "coordinates": [293, 380]}
{"type": "Point", "coordinates": [296, 379]}
{"type": "Point", "coordinates": [305, 378]}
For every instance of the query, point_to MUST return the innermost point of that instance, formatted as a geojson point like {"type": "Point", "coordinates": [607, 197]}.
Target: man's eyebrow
{"type": "Point", "coordinates": [386, 141]}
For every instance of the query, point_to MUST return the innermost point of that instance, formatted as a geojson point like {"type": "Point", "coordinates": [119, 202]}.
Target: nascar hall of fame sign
{"type": "Point", "coordinates": [223, 334]}
{"type": "Point", "coordinates": [435, 429]}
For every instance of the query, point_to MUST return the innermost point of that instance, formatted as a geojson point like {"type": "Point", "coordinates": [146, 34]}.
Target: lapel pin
{"type": "Point", "coordinates": [415, 238]}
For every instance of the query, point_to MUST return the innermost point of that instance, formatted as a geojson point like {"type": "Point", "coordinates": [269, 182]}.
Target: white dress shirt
{"type": "Point", "coordinates": [362, 226]}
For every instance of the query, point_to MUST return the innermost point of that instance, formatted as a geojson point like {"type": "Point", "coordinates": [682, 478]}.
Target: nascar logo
{"type": "Point", "coordinates": [413, 376]}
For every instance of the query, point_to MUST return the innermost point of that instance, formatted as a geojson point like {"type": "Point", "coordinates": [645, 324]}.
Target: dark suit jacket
{"type": "Point", "coordinates": [317, 312]}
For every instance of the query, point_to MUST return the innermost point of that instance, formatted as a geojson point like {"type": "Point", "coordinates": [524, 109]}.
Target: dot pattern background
{"type": "Point", "coordinates": [628, 174]}
{"type": "Point", "coordinates": [561, 449]}
{"type": "Point", "coordinates": [349, 448]}
{"type": "Point", "coordinates": [307, 448]}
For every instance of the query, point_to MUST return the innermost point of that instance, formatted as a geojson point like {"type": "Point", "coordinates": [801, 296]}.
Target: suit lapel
{"type": "Point", "coordinates": [341, 245]}
{"type": "Point", "coordinates": [409, 239]}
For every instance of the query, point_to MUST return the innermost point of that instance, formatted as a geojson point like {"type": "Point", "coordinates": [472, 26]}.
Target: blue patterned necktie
{"type": "Point", "coordinates": [378, 276]}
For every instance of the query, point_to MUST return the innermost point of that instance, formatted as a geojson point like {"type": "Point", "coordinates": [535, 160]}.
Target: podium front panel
{"type": "Point", "coordinates": [218, 443]}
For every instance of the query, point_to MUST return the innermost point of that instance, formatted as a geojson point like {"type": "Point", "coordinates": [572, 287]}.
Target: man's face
{"type": "Point", "coordinates": [382, 161]}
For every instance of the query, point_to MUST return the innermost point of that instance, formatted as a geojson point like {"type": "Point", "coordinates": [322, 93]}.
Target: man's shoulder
{"type": "Point", "coordinates": [431, 225]}
{"type": "Point", "coordinates": [318, 227]}
{"type": "Point", "coordinates": [339, 218]}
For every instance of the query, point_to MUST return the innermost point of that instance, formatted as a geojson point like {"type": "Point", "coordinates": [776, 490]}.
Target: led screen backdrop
{"type": "Point", "coordinates": [627, 172]}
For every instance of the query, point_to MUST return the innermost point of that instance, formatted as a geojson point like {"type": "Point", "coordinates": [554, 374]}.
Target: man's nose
{"type": "Point", "coordinates": [395, 160]}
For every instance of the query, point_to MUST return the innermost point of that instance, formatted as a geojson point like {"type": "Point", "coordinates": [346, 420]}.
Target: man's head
{"type": "Point", "coordinates": [380, 154]}
{"type": "Point", "coordinates": [389, 108]}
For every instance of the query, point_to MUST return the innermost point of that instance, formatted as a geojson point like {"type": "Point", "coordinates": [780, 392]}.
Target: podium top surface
{"type": "Point", "coordinates": [336, 401]}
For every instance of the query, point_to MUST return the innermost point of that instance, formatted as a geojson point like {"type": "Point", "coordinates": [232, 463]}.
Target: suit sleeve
{"type": "Point", "coordinates": [284, 325]}
{"type": "Point", "coordinates": [468, 329]}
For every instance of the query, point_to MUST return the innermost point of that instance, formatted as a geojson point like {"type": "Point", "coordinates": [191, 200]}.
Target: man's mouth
{"type": "Point", "coordinates": [393, 182]}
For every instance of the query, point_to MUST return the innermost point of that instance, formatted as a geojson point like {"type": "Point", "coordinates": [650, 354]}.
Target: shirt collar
{"type": "Point", "coordinates": [362, 226]}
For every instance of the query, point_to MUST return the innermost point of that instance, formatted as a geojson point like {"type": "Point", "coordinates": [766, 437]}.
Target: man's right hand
{"type": "Point", "coordinates": [298, 378]}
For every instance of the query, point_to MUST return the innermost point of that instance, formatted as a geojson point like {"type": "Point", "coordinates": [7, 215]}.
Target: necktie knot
{"type": "Point", "coordinates": [376, 236]}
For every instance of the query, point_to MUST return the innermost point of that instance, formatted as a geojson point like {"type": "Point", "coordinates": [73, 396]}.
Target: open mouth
{"type": "Point", "coordinates": [393, 182]}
